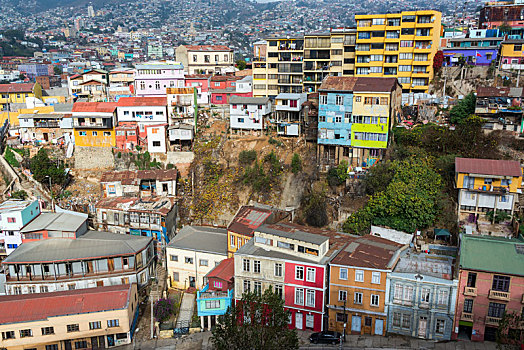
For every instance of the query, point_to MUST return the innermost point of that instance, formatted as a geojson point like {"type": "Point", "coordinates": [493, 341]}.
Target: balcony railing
{"type": "Point", "coordinates": [492, 320]}
{"type": "Point", "coordinates": [466, 317]}
{"type": "Point", "coordinates": [498, 295]}
{"type": "Point", "coordinates": [470, 291]}
{"type": "Point", "coordinates": [50, 124]}
{"type": "Point", "coordinates": [403, 302]}
{"type": "Point", "coordinates": [215, 294]}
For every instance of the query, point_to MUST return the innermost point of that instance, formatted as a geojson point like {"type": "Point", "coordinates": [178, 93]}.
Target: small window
{"type": "Point", "coordinates": [73, 328]}
{"type": "Point", "coordinates": [299, 272]}
{"type": "Point", "coordinates": [246, 265]}
{"type": "Point", "coordinates": [94, 133]}
{"type": "Point", "coordinates": [173, 257]}
{"type": "Point", "coordinates": [375, 278]}
{"type": "Point", "coordinates": [342, 295]}
{"type": "Point", "coordinates": [8, 335]}
{"type": "Point", "coordinates": [374, 300]}
{"type": "Point", "coordinates": [113, 323]}
{"type": "Point", "coordinates": [203, 262]}
{"type": "Point", "coordinates": [24, 333]}
{"type": "Point", "coordinates": [357, 298]}
{"type": "Point", "coordinates": [278, 270]}
{"type": "Point", "coordinates": [156, 143]}
{"type": "Point", "coordinates": [176, 276]}
{"type": "Point", "coordinates": [107, 133]}
{"type": "Point", "coordinates": [359, 276]}
{"type": "Point", "coordinates": [95, 325]}
{"type": "Point", "coordinates": [48, 330]}
{"type": "Point", "coordinates": [339, 100]}
{"type": "Point", "coordinates": [310, 275]}
{"type": "Point", "coordinates": [188, 260]}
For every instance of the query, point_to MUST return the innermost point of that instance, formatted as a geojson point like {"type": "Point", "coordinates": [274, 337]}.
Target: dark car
{"type": "Point", "coordinates": [326, 337]}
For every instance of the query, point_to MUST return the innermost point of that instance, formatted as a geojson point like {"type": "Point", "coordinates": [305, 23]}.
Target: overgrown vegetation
{"type": "Point", "coordinates": [509, 331]}
{"type": "Point", "coordinates": [143, 161]}
{"type": "Point", "coordinates": [263, 176]}
{"type": "Point", "coordinates": [463, 109]}
{"type": "Point", "coordinates": [315, 208]}
{"type": "Point", "coordinates": [163, 309]}
{"type": "Point", "coordinates": [43, 167]}
{"type": "Point", "coordinates": [10, 157]}
{"type": "Point", "coordinates": [296, 164]}
{"type": "Point", "coordinates": [500, 216]}
{"type": "Point", "coordinates": [246, 158]}
{"type": "Point", "coordinates": [19, 195]}
{"type": "Point", "coordinates": [337, 176]}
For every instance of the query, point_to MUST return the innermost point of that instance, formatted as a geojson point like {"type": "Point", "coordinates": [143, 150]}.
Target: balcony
{"type": "Point", "coordinates": [492, 320]}
{"type": "Point", "coordinates": [470, 291]}
{"type": "Point", "coordinates": [466, 317]}
{"type": "Point", "coordinates": [213, 294]}
{"type": "Point", "coordinates": [403, 302]}
{"type": "Point", "coordinates": [498, 295]}
{"type": "Point", "coordinates": [49, 124]}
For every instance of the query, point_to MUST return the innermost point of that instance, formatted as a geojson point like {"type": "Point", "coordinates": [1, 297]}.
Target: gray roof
{"type": "Point", "coordinates": [248, 100]}
{"type": "Point", "coordinates": [14, 205]}
{"type": "Point", "coordinates": [42, 116]}
{"type": "Point", "coordinates": [93, 244]}
{"type": "Point", "coordinates": [293, 234]}
{"type": "Point", "coordinates": [55, 222]}
{"type": "Point", "coordinates": [63, 107]}
{"type": "Point", "coordinates": [251, 249]}
{"type": "Point", "coordinates": [426, 264]}
{"type": "Point", "coordinates": [288, 96]}
{"type": "Point", "coordinates": [202, 239]}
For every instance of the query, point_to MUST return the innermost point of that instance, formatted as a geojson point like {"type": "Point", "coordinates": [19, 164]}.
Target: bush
{"type": "Point", "coordinates": [247, 157]}
{"type": "Point", "coordinates": [170, 166]}
{"type": "Point", "coordinates": [163, 309]}
{"type": "Point", "coordinates": [338, 175]}
{"type": "Point", "coordinates": [499, 216]}
{"type": "Point", "coordinates": [19, 195]}
{"type": "Point", "coordinates": [274, 142]}
{"type": "Point", "coordinates": [119, 155]}
{"type": "Point", "coordinates": [10, 158]}
{"type": "Point", "coordinates": [296, 164]}
{"type": "Point", "coordinates": [315, 209]}
{"type": "Point", "coordinates": [463, 109]}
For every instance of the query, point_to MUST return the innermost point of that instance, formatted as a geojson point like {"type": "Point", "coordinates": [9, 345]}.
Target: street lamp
{"type": "Point", "coordinates": [51, 189]}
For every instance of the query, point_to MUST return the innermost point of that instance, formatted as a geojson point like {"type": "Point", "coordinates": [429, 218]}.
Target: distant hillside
{"type": "Point", "coordinates": [35, 6]}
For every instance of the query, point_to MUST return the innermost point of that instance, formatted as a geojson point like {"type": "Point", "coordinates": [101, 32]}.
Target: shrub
{"type": "Point", "coordinates": [296, 164]}
{"type": "Point", "coordinates": [10, 158]}
{"type": "Point", "coordinates": [19, 195]}
{"type": "Point", "coordinates": [119, 155]}
{"type": "Point", "coordinates": [499, 216]}
{"type": "Point", "coordinates": [247, 157]}
{"type": "Point", "coordinates": [315, 209]}
{"type": "Point", "coordinates": [163, 309]}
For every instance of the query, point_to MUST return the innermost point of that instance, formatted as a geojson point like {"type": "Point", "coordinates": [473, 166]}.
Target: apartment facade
{"type": "Point", "coordinates": [142, 111]}
{"type": "Point", "coordinates": [153, 78]}
{"type": "Point", "coordinates": [491, 282]}
{"type": "Point", "coordinates": [474, 51]}
{"type": "Point", "coordinates": [94, 124]}
{"type": "Point", "coordinates": [500, 107]}
{"type": "Point", "coordinates": [206, 59]}
{"type": "Point", "coordinates": [95, 318]}
{"type": "Point", "coordinates": [289, 119]}
{"type": "Point", "coordinates": [249, 113]}
{"type": "Point", "coordinates": [401, 45]}
{"type": "Point", "coordinates": [14, 215]}
{"type": "Point", "coordinates": [358, 285]}
{"type": "Point", "coordinates": [202, 83]}
{"type": "Point", "coordinates": [92, 260]}
{"type": "Point", "coordinates": [193, 253]}
{"type": "Point", "coordinates": [17, 93]}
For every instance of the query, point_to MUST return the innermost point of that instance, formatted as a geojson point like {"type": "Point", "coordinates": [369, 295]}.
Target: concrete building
{"type": "Point", "coordinates": [206, 59]}
{"type": "Point", "coordinates": [153, 78]}
{"type": "Point", "coordinates": [156, 138]}
{"type": "Point", "coordinates": [45, 127]}
{"type": "Point", "coordinates": [92, 260]}
{"type": "Point", "coordinates": [512, 55]}
{"type": "Point", "coordinates": [500, 107]}
{"type": "Point", "coordinates": [33, 70]}
{"type": "Point", "coordinates": [181, 104]}
{"type": "Point", "coordinates": [139, 183]}
{"type": "Point", "coordinates": [14, 215]}
{"type": "Point", "coordinates": [288, 116]}
{"type": "Point", "coordinates": [249, 113]}
{"type": "Point", "coordinates": [193, 253]}
{"type": "Point", "coordinates": [94, 124]}
{"type": "Point", "coordinates": [95, 318]}
{"type": "Point", "coordinates": [474, 51]}
{"type": "Point", "coordinates": [142, 111]}
{"type": "Point", "coordinates": [202, 83]}
{"type": "Point", "coordinates": [55, 225]}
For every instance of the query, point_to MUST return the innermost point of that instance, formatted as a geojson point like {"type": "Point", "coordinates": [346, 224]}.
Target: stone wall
{"type": "Point", "coordinates": [93, 158]}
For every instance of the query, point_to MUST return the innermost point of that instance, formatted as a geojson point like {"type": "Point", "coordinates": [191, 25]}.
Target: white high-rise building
{"type": "Point", "coordinates": [90, 11]}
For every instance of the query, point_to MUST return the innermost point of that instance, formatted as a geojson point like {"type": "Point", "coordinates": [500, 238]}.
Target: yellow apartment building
{"type": "Point", "coordinates": [94, 318]}
{"type": "Point", "coordinates": [358, 285]}
{"type": "Point", "coordinates": [400, 45]}
{"type": "Point", "coordinates": [18, 92]}
{"type": "Point", "coordinates": [94, 124]}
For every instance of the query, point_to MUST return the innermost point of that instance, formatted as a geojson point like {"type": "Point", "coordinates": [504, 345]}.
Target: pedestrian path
{"type": "Point", "coordinates": [186, 310]}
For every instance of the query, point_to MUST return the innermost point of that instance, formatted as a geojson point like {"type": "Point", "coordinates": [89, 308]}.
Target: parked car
{"type": "Point", "coordinates": [326, 337]}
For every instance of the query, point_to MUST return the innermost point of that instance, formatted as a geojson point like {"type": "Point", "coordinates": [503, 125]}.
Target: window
{"type": "Point", "coordinates": [278, 270]}
{"type": "Point", "coordinates": [339, 100]}
{"type": "Point", "coordinates": [203, 262]}
{"type": "Point", "coordinates": [310, 276]}
{"type": "Point", "coordinates": [496, 310]}
{"type": "Point", "coordinates": [359, 276]}
{"type": "Point", "coordinates": [217, 284]}
{"type": "Point", "coordinates": [310, 298]}
{"type": "Point", "coordinates": [440, 326]}
{"type": "Point", "coordinates": [323, 99]}
{"type": "Point", "coordinates": [11, 220]}
{"type": "Point", "coordinates": [278, 290]}
{"type": "Point", "coordinates": [113, 323]}
{"type": "Point", "coordinates": [95, 325]}
{"type": "Point", "coordinates": [378, 21]}
{"type": "Point", "coordinates": [156, 143]}
{"type": "Point", "coordinates": [299, 272]}
{"type": "Point", "coordinates": [342, 295]}
{"type": "Point", "coordinates": [397, 316]}
{"type": "Point", "coordinates": [247, 286]}
{"type": "Point", "coordinates": [73, 327]}
{"type": "Point", "coordinates": [517, 47]}
{"type": "Point", "coordinates": [257, 287]}
{"type": "Point", "coordinates": [44, 289]}
{"type": "Point", "coordinates": [299, 296]}
{"type": "Point", "coordinates": [338, 119]}
{"type": "Point", "coordinates": [424, 295]}
{"type": "Point", "coordinates": [472, 279]}
{"type": "Point", "coordinates": [368, 321]}
{"type": "Point", "coordinates": [404, 68]}
{"type": "Point", "coordinates": [212, 304]}
{"type": "Point", "coordinates": [8, 335]}
{"type": "Point", "coordinates": [500, 283]}
{"type": "Point", "coordinates": [342, 317]}
{"type": "Point", "coordinates": [245, 265]}
{"type": "Point", "coordinates": [188, 260]}
{"type": "Point", "coordinates": [176, 276]}
{"type": "Point", "coordinates": [468, 306]}
{"type": "Point", "coordinates": [343, 273]}
{"type": "Point", "coordinates": [374, 300]}
{"type": "Point", "coordinates": [375, 277]}
{"type": "Point", "coordinates": [406, 321]}
{"type": "Point", "coordinates": [31, 289]}
{"type": "Point", "coordinates": [173, 257]}
{"type": "Point", "coordinates": [358, 98]}
{"type": "Point", "coordinates": [357, 298]}
{"type": "Point", "coordinates": [442, 297]}
{"type": "Point", "coordinates": [26, 333]}
{"type": "Point", "coordinates": [48, 330]}
{"type": "Point", "coordinates": [51, 347]}
{"type": "Point", "coordinates": [94, 133]}
{"type": "Point", "coordinates": [232, 241]}
{"type": "Point", "coordinates": [256, 266]}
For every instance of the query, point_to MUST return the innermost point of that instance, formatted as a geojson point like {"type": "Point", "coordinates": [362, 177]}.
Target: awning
{"type": "Point", "coordinates": [441, 232]}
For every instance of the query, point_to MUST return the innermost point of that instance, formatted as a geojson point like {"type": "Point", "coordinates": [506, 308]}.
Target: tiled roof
{"type": "Point", "coordinates": [129, 177]}
{"type": "Point", "coordinates": [41, 306]}
{"type": "Point", "coordinates": [225, 78]}
{"type": "Point", "coordinates": [367, 251]}
{"type": "Point", "coordinates": [16, 87]}
{"type": "Point", "coordinates": [224, 271]}
{"type": "Point", "coordinates": [488, 167]}
{"type": "Point", "coordinates": [207, 48]}
{"type": "Point", "coordinates": [141, 101]}
{"type": "Point", "coordinates": [198, 76]}
{"type": "Point", "coordinates": [101, 107]}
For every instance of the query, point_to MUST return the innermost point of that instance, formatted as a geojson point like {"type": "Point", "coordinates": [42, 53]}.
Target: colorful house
{"type": "Point", "coordinates": [512, 54]}
{"type": "Point", "coordinates": [288, 116]}
{"type": "Point", "coordinates": [14, 215]}
{"type": "Point", "coordinates": [491, 283]}
{"type": "Point", "coordinates": [358, 285]}
{"type": "Point", "coordinates": [143, 112]}
{"type": "Point", "coordinates": [153, 78]}
{"type": "Point", "coordinates": [225, 86]}
{"type": "Point", "coordinates": [248, 113]}
{"type": "Point", "coordinates": [18, 92]}
{"type": "Point", "coordinates": [215, 298]}
{"type": "Point", "coordinates": [202, 83]}
{"type": "Point", "coordinates": [475, 51]}
{"type": "Point", "coordinates": [139, 183]}
{"type": "Point", "coordinates": [501, 107]}
{"type": "Point", "coordinates": [94, 124]}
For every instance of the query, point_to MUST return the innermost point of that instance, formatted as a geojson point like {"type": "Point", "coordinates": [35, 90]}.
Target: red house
{"type": "Point", "coordinates": [225, 86]}
{"type": "Point", "coordinates": [202, 83]}
{"type": "Point", "coordinates": [127, 136]}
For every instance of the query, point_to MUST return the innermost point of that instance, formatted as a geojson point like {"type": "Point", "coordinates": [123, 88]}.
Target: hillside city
{"type": "Point", "coordinates": [257, 175]}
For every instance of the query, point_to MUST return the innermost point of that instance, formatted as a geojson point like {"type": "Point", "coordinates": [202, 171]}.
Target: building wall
{"type": "Point", "coordinates": [250, 118]}
{"type": "Point", "coordinates": [328, 126]}
{"type": "Point", "coordinates": [156, 139]}
{"type": "Point", "coordinates": [234, 242]}
{"type": "Point", "coordinates": [95, 138]}
{"type": "Point", "coordinates": [479, 182]}
{"type": "Point", "coordinates": [10, 231]}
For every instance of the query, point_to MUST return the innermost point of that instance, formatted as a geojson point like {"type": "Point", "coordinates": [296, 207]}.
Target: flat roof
{"type": "Point", "coordinates": [439, 266]}
{"type": "Point", "coordinates": [55, 222]}
{"type": "Point", "coordinates": [367, 251]}
{"type": "Point", "coordinates": [292, 231]}
{"type": "Point", "coordinates": [201, 238]}
{"type": "Point", "coordinates": [158, 205]}
{"type": "Point", "coordinates": [248, 100]}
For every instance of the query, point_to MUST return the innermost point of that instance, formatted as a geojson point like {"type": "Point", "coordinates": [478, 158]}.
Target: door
{"type": "Point", "coordinates": [422, 326]}
{"type": "Point", "coordinates": [110, 340]}
{"type": "Point", "coordinates": [355, 324]}
{"type": "Point", "coordinates": [298, 320]}
{"type": "Point", "coordinates": [310, 321]}
{"type": "Point", "coordinates": [379, 326]}
{"type": "Point", "coordinates": [192, 281]}
{"type": "Point", "coordinates": [67, 344]}
{"type": "Point", "coordinates": [46, 137]}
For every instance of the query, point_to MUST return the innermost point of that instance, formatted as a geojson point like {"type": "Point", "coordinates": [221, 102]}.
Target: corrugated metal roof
{"type": "Point", "coordinates": [130, 177]}
{"type": "Point", "coordinates": [367, 251]}
{"type": "Point", "coordinates": [41, 306]}
{"type": "Point", "coordinates": [141, 101]}
{"type": "Point", "coordinates": [248, 219]}
{"type": "Point", "coordinates": [201, 238]}
{"type": "Point", "coordinates": [488, 167]}
{"type": "Point", "coordinates": [156, 205]}
{"type": "Point", "coordinates": [100, 107]}
{"type": "Point", "coordinates": [368, 84]}
{"type": "Point", "coordinates": [224, 271]}
{"type": "Point", "coordinates": [207, 48]}
{"type": "Point", "coordinates": [55, 222]}
{"type": "Point", "coordinates": [332, 83]}
{"type": "Point", "coordinates": [16, 87]}
{"type": "Point", "coordinates": [292, 231]}
{"type": "Point", "coordinates": [234, 99]}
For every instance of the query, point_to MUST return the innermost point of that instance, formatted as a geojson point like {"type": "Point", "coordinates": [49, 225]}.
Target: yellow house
{"type": "Point", "coordinates": [512, 55]}
{"type": "Point", "coordinates": [400, 45]}
{"type": "Point", "coordinates": [358, 285]}
{"type": "Point", "coordinates": [93, 318]}
{"type": "Point", "coordinates": [94, 124]}
{"type": "Point", "coordinates": [18, 92]}
{"type": "Point", "coordinates": [486, 185]}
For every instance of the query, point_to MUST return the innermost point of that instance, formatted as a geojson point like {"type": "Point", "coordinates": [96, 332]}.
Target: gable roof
{"type": "Point", "coordinates": [100, 107]}
{"type": "Point", "coordinates": [16, 87]}
{"type": "Point", "coordinates": [207, 239]}
{"type": "Point", "coordinates": [141, 101]}
{"type": "Point", "coordinates": [41, 306]}
{"type": "Point", "coordinates": [369, 84]}
{"type": "Point", "coordinates": [130, 177]}
{"type": "Point", "coordinates": [224, 271]}
{"type": "Point", "coordinates": [488, 166]}
{"type": "Point", "coordinates": [332, 83]}
{"type": "Point", "coordinates": [55, 222]}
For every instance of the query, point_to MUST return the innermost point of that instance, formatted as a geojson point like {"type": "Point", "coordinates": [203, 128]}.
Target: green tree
{"type": "Point", "coordinates": [19, 195]}
{"type": "Point", "coordinates": [42, 166]}
{"type": "Point", "coordinates": [338, 175]}
{"type": "Point", "coordinates": [257, 322]}
{"type": "Point", "coordinates": [143, 161]}
{"type": "Point", "coordinates": [10, 157]}
{"type": "Point", "coordinates": [296, 164]}
{"type": "Point", "coordinates": [247, 157]}
{"type": "Point", "coordinates": [463, 109]}
{"type": "Point", "coordinates": [315, 209]}
{"type": "Point", "coordinates": [504, 28]}
{"type": "Point", "coordinates": [509, 333]}
{"type": "Point", "coordinates": [57, 70]}
{"type": "Point", "coordinates": [241, 64]}
{"type": "Point", "coordinates": [378, 177]}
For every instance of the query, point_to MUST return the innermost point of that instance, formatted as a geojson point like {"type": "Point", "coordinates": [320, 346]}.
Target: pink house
{"type": "Point", "coordinates": [152, 79]}
{"type": "Point", "coordinates": [201, 82]}
{"type": "Point", "coordinates": [491, 283]}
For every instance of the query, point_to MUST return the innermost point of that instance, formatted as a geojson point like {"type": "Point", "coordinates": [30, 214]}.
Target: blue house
{"type": "Point", "coordinates": [216, 297]}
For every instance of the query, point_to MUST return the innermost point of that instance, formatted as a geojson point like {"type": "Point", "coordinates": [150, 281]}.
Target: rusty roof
{"type": "Point", "coordinates": [248, 219]}
{"type": "Point", "coordinates": [101, 107]}
{"type": "Point", "coordinates": [208, 48]}
{"type": "Point", "coordinates": [369, 84]}
{"type": "Point", "coordinates": [226, 78]}
{"type": "Point", "coordinates": [367, 251]}
{"type": "Point", "coordinates": [224, 271]}
{"type": "Point", "coordinates": [130, 177]}
{"type": "Point", "coordinates": [198, 76]}
{"type": "Point", "coordinates": [502, 91]}
{"type": "Point", "coordinates": [42, 306]}
{"type": "Point", "coordinates": [141, 101]}
{"type": "Point", "coordinates": [16, 87]}
{"type": "Point", "coordinates": [158, 205]}
{"type": "Point", "coordinates": [488, 167]}
{"type": "Point", "coordinates": [180, 91]}
{"type": "Point", "coordinates": [332, 83]}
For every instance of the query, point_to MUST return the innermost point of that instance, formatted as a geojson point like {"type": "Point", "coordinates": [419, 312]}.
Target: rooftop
{"type": "Point", "coordinates": [289, 96]}
{"type": "Point", "coordinates": [207, 48]}
{"type": "Point", "coordinates": [16, 87]}
{"type": "Point", "coordinates": [248, 100]}
{"type": "Point", "coordinates": [141, 101]}
{"type": "Point", "coordinates": [41, 306]}
{"type": "Point", "coordinates": [488, 167]}
{"type": "Point", "coordinates": [159, 205]}
{"type": "Point", "coordinates": [14, 205]}
{"type": "Point", "coordinates": [332, 83]}
{"type": "Point", "coordinates": [488, 91]}
{"type": "Point", "coordinates": [433, 265]}
{"type": "Point", "coordinates": [295, 232]}
{"type": "Point", "coordinates": [93, 244]}
{"type": "Point", "coordinates": [492, 254]}
{"type": "Point", "coordinates": [100, 107]}
{"type": "Point", "coordinates": [55, 222]}
{"type": "Point", "coordinates": [367, 251]}
{"type": "Point", "coordinates": [160, 65]}
{"type": "Point", "coordinates": [224, 271]}
{"type": "Point", "coordinates": [247, 219]}
{"type": "Point", "coordinates": [202, 239]}
{"type": "Point", "coordinates": [130, 177]}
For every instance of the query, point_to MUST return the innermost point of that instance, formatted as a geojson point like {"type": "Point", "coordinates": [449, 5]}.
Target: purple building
{"type": "Point", "coordinates": [152, 79]}
{"type": "Point", "coordinates": [33, 70]}
{"type": "Point", "coordinates": [476, 51]}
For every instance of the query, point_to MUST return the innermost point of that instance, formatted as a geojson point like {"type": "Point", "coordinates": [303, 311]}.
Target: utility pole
{"type": "Point", "coordinates": [518, 77]}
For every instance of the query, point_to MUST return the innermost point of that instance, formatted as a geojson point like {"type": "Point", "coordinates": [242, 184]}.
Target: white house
{"type": "Point", "coordinates": [245, 84]}
{"type": "Point", "coordinates": [142, 110]}
{"type": "Point", "coordinates": [248, 113]}
{"type": "Point", "coordinates": [288, 116]}
{"type": "Point", "coordinates": [15, 214]}
{"type": "Point", "coordinates": [156, 138]}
